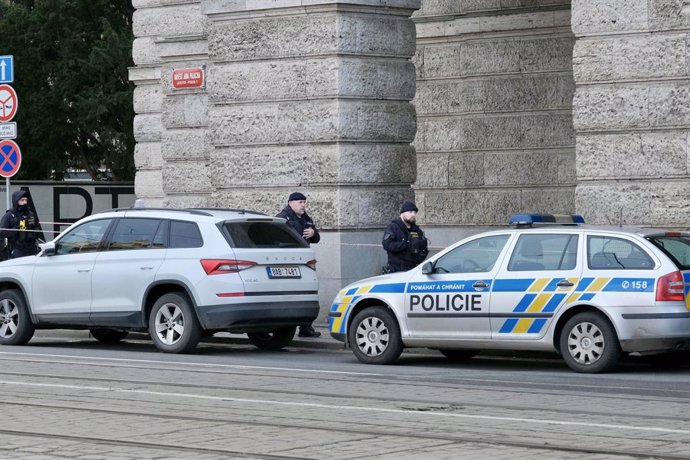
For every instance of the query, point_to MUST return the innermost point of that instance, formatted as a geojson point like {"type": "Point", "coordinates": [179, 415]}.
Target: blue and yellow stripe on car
{"type": "Point", "coordinates": [345, 299]}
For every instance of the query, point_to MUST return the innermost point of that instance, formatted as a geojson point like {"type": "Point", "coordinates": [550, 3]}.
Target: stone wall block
{"type": "Point", "coordinates": [186, 177]}
{"type": "Point", "coordinates": [547, 201]}
{"type": "Point", "coordinates": [594, 16]}
{"type": "Point", "coordinates": [187, 201]}
{"type": "Point", "coordinates": [185, 110]}
{"type": "Point", "coordinates": [147, 127]}
{"type": "Point", "coordinates": [186, 144]}
{"type": "Point", "coordinates": [147, 155]}
{"type": "Point", "coordinates": [525, 168]}
{"type": "Point", "coordinates": [145, 51]}
{"type": "Point", "coordinates": [174, 20]}
{"type": "Point", "coordinates": [550, 54]}
{"type": "Point", "coordinates": [626, 203]}
{"type": "Point", "coordinates": [440, 207]}
{"type": "Point", "coordinates": [376, 35]}
{"type": "Point", "coordinates": [148, 99]}
{"type": "Point", "coordinates": [669, 105]}
{"type": "Point", "coordinates": [384, 79]}
{"type": "Point", "coordinates": [622, 58]}
{"type": "Point", "coordinates": [385, 121]}
{"type": "Point", "coordinates": [440, 8]}
{"type": "Point", "coordinates": [433, 170]}
{"type": "Point", "coordinates": [489, 207]}
{"type": "Point", "coordinates": [377, 164]}
{"type": "Point", "coordinates": [652, 155]}
{"type": "Point", "coordinates": [669, 14]}
{"type": "Point", "coordinates": [149, 183]}
{"type": "Point", "coordinates": [611, 107]}
{"type": "Point", "coordinates": [490, 57]}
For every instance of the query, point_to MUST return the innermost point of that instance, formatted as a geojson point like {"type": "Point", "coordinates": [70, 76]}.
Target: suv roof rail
{"type": "Point", "coordinates": [241, 211]}
{"type": "Point", "coordinates": [198, 212]}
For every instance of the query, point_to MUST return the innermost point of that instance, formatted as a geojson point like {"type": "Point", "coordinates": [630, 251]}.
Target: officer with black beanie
{"type": "Point", "coordinates": [404, 241]}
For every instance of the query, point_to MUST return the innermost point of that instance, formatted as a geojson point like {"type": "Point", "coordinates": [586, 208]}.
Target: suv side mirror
{"type": "Point", "coordinates": [428, 268]}
{"type": "Point", "coordinates": [48, 248]}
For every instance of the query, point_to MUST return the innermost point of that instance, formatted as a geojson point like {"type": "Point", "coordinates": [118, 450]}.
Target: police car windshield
{"type": "Point", "coordinates": [677, 247]}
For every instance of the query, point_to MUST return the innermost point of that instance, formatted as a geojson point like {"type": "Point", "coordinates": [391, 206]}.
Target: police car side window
{"type": "Point", "coordinates": [609, 253]}
{"type": "Point", "coordinates": [477, 256]}
{"type": "Point", "coordinates": [546, 251]}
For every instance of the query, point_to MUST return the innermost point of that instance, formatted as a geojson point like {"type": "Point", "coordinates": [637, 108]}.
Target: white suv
{"type": "Point", "coordinates": [176, 273]}
{"type": "Point", "coordinates": [589, 293]}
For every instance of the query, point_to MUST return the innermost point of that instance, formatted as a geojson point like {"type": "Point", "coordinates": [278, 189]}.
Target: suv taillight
{"type": "Point", "coordinates": [312, 264]}
{"type": "Point", "coordinates": [220, 266]}
{"type": "Point", "coordinates": [670, 287]}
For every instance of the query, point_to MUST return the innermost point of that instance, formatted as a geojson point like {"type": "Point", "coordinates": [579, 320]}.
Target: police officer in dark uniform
{"type": "Point", "coordinates": [297, 218]}
{"type": "Point", "coordinates": [404, 241]}
{"type": "Point", "coordinates": [20, 226]}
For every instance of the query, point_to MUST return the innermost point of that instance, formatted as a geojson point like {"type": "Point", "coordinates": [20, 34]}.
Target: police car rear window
{"type": "Point", "coordinates": [677, 248]}
{"type": "Point", "coordinates": [266, 234]}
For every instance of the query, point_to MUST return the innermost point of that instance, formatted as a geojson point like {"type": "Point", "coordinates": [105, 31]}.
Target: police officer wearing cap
{"type": "Point", "coordinates": [404, 241]}
{"type": "Point", "coordinates": [20, 226]}
{"type": "Point", "coordinates": [297, 218]}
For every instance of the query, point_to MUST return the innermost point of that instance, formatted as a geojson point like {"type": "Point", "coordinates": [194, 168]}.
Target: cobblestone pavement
{"type": "Point", "coordinates": [82, 400]}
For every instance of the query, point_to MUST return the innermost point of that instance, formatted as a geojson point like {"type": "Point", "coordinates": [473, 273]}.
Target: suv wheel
{"type": "Point", "coordinates": [272, 340]}
{"type": "Point", "coordinates": [109, 336]}
{"type": "Point", "coordinates": [16, 327]}
{"type": "Point", "coordinates": [374, 336]}
{"type": "Point", "coordinates": [173, 325]}
{"type": "Point", "coordinates": [589, 343]}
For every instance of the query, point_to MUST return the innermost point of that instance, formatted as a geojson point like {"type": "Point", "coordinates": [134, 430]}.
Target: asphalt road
{"type": "Point", "coordinates": [69, 397]}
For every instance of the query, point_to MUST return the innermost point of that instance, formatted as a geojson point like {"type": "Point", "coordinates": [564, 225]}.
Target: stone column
{"type": "Point", "coordinates": [632, 111]}
{"type": "Point", "coordinates": [315, 96]}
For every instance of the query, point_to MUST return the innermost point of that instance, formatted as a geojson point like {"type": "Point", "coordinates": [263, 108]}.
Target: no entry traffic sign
{"type": "Point", "coordinates": [10, 158]}
{"type": "Point", "coordinates": [8, 103]}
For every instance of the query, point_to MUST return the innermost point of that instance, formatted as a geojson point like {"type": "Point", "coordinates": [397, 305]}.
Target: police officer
{"type": "Point", "coordinates": [20, 226]}
{"type": "Point", "coordinates": [404, 241]}
{"type": "Point", "coordinates": [297, 218]}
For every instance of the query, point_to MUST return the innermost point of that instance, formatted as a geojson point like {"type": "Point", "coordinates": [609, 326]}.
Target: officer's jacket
{"type": "Point", "coordinates": [300, 223]}
{"type": "Point", "coordinates": [406, 247]}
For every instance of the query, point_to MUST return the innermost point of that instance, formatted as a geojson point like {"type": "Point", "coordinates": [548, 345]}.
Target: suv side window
{"type": "Point", "coordinates": [544, 251]}
{"type": "Point", "coordinates": [185, 234]}
{"type": "Point", "coordinates": [477, 256]}
{"type": "Point", "coordinates": [132, 233]}
{"type": "Point", "coordinates": [263, 234]}
{"type": "Point", "coordinates": [84, 238]}
{"type": "Point", "coordinates": [606, 252]}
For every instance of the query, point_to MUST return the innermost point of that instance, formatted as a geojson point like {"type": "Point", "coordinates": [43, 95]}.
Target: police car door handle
{"type": "Point", "coordinates": [480, 285]}
{"type": "Point", "coordinates": [564, 283]}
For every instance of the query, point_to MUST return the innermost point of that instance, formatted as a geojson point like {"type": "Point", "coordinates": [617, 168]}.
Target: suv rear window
{"type": "Point", "coordinates": [263, 234]}
{"type": "Point", "coordinates": [676, 247]}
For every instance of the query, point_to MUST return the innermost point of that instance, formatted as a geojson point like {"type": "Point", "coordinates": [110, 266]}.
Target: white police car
{"type": "Point", "coordinates": [589, 293]}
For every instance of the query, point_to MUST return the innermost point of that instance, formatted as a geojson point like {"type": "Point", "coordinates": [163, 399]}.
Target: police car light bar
{"type": "Point", "coordinates": [546, 219]}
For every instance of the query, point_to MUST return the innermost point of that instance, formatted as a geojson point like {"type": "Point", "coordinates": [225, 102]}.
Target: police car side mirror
{"type": "Point", "coordinates": [428, 268]}
{"type": "Point", "coordinates": [48, 249]}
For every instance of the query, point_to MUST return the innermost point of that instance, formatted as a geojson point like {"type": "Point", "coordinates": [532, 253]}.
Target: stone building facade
{"type": "Point", "coordinates": [475, 108]}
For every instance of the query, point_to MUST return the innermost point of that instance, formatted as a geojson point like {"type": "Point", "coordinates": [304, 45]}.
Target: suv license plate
{"type": "Point", "coordinates": [283, 272]}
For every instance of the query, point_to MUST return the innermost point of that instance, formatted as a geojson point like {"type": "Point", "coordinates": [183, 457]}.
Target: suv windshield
{"type": "Point", "coordinates": [263, 234]}
{"type": "Point", "coordinates": [677, 247]}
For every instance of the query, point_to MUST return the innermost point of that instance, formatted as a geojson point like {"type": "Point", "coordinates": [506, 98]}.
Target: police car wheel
{"type": "Point", "coordinates": [458, 355]}
{"type": "Point", "coordinates": [173, 325]}
{"type": "Point", "coordinates": [106, 335]}
{"type": "Point", "coordinates": [16, 327]}
{"type": "Point", "coordinates": [374, 336]}
{"type": "Point", "coordinates": [272, 340]}
{"type": "Point", "coordinates": [589, 343]}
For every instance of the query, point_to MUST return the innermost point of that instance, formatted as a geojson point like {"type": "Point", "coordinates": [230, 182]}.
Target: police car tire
{"type": "Point", "coordinates": [9, 300]}
{"type": "Point", "coordinates": [380, 319]}
{"type": "Point", "coordinates": [458, 355]}
{"type": "Point", "coordinates": [107, 335]}
{"type": "Point", "coordinates": [191, 329]}
{"type": "Point", "coordinates": [275, 340]}
{"type": "Point", "coordinates": [580, 326]}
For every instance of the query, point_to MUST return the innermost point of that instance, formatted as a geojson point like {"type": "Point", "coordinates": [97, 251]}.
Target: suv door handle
{"type": "Point", "coordinates": [83, 270]}
{"type": "Point", "coordinates": [146, 267]}
{"type": "Point", "coordinates": [564, 283]}
{"type": "Point", "coordinates": [480, 285]}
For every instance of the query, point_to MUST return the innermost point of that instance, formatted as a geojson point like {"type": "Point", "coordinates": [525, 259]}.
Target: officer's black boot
{"type": "Point", "coordinates": [308, 331]}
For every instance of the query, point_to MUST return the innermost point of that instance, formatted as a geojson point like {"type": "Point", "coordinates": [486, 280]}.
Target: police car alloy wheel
{"type": "Point", "coordinates": [173, 325]}
{"type": "Point", "coordinates": [16, 327]}
{"type": "Point", "coordinates": [374, 336]}
{"type": "Point", "coordinates": [272, 340]}
{"type": "Point", "coordinates": [589, 343]}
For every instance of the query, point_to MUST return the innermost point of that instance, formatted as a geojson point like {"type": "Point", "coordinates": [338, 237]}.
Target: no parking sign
{"type": "Point", "coordinates": [10, 158]}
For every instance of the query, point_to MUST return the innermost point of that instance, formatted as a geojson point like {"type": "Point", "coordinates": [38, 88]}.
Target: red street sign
{"type": "Point", "coordinates": [8, 103]}
{"type": "Point", "coordinates": [194, 77]}
{"type": "Point", "coordinates": [10, 158]}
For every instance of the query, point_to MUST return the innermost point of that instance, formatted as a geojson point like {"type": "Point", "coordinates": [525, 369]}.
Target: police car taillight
{"type": "Point", "coordinates": [221, 266]}
{"type": "Point", "coordinates": [670, 287]}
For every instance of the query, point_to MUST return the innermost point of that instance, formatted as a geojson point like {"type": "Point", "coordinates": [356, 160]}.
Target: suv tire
{"type": "Point", "coordinates": [374, 336]}
{"type": "Point", "coordinates": [108, 336]}
{"type": "Point", "coordinates": [275, 340]}
{"type": "Point", "coordinates": [173, 325]}
{"type": "Point", "coordinates": [16, 327]}
{"type": "Point", "coordinates": [589, 343]}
